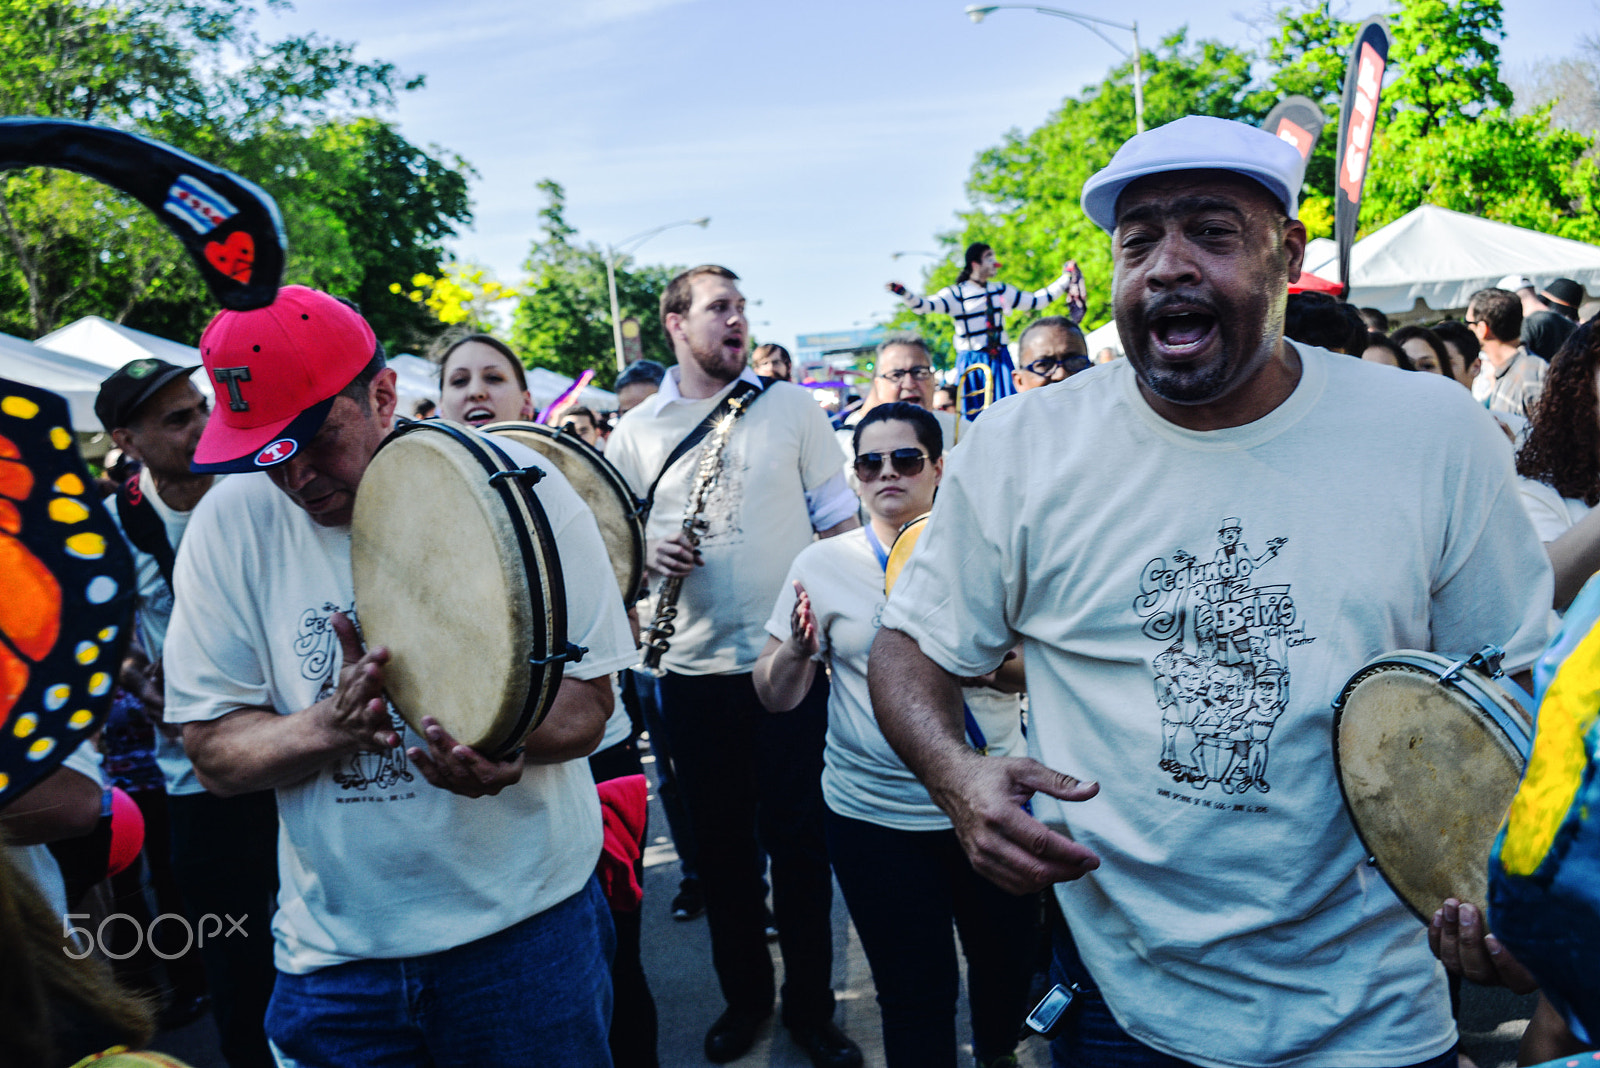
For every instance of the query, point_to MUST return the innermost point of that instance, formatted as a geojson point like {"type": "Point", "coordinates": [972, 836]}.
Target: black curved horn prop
{"type": "Point", "coordinates": [230, 227]}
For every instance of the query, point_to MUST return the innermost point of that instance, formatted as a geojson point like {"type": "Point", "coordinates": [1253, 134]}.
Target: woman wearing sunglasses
{"type": "Point", "coordinates": [904, 875]}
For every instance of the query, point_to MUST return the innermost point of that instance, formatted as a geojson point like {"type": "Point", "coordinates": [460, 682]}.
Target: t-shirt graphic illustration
{"type": "Point", "coordinates": [1223, 679]}
{"type": "Point", "coordinates": [317, 645]}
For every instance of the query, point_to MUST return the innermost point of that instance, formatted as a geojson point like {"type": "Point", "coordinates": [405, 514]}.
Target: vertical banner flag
{"type": "Point", "coordinates": [1358, 119]}
{"type": "Point", "coordinates": [1299, 121]}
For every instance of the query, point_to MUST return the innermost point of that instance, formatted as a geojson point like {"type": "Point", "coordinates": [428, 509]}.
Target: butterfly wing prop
{"type": "Point", "coordinates": [230, 227]}
{"type": "Point", "coordinates": [68, 588]}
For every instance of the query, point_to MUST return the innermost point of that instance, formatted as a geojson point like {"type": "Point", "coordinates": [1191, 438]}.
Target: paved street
{"type": "Point", "coordinates": [677, 959]}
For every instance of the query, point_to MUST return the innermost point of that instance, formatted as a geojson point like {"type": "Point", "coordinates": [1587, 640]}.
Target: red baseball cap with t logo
{"type": "Point", "coordinates": [277, 371]}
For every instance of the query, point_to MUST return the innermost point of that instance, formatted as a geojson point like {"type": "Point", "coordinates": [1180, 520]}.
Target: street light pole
{"type": "Point", "coordinates": [615, 254]}
{"type": "Point", "coordinates": [1092, 23]}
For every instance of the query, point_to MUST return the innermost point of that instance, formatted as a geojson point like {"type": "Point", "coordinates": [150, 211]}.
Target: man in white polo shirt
{"type": "Point", "coordinates": [1228, 517]}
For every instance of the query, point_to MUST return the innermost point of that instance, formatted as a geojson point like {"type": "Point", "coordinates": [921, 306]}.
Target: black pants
{"type": "Point", "coordinates": [752, 779]}
{"type": "Point", "coordinates": [225, 859]}
{"type": "Point", "coordinates": [633, 1008]}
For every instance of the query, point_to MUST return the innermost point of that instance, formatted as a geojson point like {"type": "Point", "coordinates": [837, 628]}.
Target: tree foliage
{"type": "Point", "coordinates": [1447, 136]}
{"type": "Point", "coordinates": [362, 206]}
{"type": "Point", "coordinates": [563, 320]}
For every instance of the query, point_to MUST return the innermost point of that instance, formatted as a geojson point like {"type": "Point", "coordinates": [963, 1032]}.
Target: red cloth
{"type": "Point", "coordinates": [623, 807]}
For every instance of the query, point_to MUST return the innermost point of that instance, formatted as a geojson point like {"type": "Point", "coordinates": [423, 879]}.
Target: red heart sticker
{"type": "Point", "coordinates": [234, 256]}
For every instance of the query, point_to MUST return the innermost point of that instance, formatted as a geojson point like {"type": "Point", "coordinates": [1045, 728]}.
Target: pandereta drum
{"type": "Point", "coordinates": [602, 488]}
{"type": "Point", "coordinates": [1429, 752]}
{"type": "Point", "coordinates": [900, 551]}
{"type": "Point", "coordinates": [456, 572]}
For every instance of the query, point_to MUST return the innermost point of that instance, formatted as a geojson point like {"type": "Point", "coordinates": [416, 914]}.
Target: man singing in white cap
{"type": "Point", "coordinates": [1220, 908]}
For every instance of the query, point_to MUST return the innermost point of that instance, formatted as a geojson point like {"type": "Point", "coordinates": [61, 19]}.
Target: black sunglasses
{"type": "Point", "coordinates": [906, 462]}
{"type": "Point", "coordinates": [1046, 366]}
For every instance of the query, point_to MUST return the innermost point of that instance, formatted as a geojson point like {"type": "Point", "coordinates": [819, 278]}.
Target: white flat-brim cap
{"type": "Point", "coordinates": [1196, 143]}
{"type": "Point", "coordinates": [1513, 282]}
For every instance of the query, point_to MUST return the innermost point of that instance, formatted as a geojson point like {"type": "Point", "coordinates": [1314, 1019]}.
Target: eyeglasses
{"type": "Point", "coordinates": [1045, 366]}
{"type": "Point", "coordinates": [916, 374]}
{"type": "Point", "coordinates": [906, 462]}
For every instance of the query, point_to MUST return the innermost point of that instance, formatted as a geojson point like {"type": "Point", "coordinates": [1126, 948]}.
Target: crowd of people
{"type": "Point", "coordinates": [1085, 743]}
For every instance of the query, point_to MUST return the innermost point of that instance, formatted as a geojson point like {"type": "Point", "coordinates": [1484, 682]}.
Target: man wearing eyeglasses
{"type": "Point", "coordinates": [1052, 349]}
{"type": "Point", "coordinates": [903, 371]}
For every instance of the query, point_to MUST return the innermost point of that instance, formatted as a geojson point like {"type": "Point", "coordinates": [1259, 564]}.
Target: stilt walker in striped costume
{"type": "Point", "coordinates": [978, 305]}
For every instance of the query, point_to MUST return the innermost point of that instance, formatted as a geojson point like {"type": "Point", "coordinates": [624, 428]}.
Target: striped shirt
{"type": "Point", "coordinates": [979, 309]}
{"type": "Point", "coordinates": [1513, 389]}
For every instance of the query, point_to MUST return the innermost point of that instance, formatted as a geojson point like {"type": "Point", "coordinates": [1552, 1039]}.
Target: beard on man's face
{"type": "Point", "coordinates": [719, 361]}
{"type": "Point", "coordinates": [1171, 320]}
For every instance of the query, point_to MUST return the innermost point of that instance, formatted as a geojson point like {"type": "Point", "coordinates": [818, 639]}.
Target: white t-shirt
{"type": "Point", "coordinates": [1552, 515]}
{"type": "Point", "coordinates": [781, 449]}
{"type": "Point", "coordinates": [155, 612]}
{"type": "Point", "coordinates": [1167, 585]}
{"type": "Point", "coordinates": [862, 778]}
{"type": "Point", "coordinates": [37, 860]}
{"type": "Point", "coordinates": [374, 862]}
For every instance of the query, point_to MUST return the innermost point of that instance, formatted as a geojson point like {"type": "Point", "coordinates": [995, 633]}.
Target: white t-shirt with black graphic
{"type": "Point", "coordinates": [375, 862]}
{"type": "Point", "coordinates": [862, 778]}
{"type": "Point", "coordinates": [1189, 605]}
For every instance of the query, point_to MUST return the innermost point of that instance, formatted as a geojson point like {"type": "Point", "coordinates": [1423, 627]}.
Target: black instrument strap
{"type": "Point", "coordinates": [144, 527]}
{"type": "Point", "coordinates": [697, 435]}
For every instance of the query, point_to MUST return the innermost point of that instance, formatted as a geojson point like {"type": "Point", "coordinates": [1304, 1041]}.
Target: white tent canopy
{"type": "Point", "coordinates": [111, 344]}
{"type": "Point", "coordinates": [78, 381]}
{"type": "Point", "coordinates": [1441, 257]}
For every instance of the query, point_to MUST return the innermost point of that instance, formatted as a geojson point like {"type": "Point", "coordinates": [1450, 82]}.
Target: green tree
{"type": "Point", "coordinates": [1024, 191]}
{"type": "Point", "coordinates": [362, 207]}
{"type": "Point", "coordinates": [563, 320]}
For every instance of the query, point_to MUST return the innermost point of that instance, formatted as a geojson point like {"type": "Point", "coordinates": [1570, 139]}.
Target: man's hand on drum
{"type": "Point", "coordinates": [449, 765]}
{"type": "Point", "coordinates": [1006, 845]}
{"type": "Point", "coordinates": [358, 712]}
{"type": "Point", "coordinates": [1464, 946]}
{"type": "Point", "coordinates": [676, 555]}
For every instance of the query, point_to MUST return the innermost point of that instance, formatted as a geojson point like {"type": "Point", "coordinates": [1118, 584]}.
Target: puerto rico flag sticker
{"type": "Point", "coordinates": [277, 452]}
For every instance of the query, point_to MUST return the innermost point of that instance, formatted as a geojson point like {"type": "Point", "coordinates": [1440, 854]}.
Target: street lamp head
{"type": "Point", "coordinates": [702, 222]}
{"type": "Point", "coordinates": [976, 12]}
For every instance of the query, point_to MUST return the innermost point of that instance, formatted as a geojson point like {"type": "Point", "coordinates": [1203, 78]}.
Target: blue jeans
{"type": "Point", "coordinates": [1093, 1039]}
{"type": "Point", "coordinates": [537, 993]}
{"type": "Point", "coordinates": [905, 891]}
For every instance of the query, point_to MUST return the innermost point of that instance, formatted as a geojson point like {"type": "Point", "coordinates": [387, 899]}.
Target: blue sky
{"type": "Point", "coordinates": [820, 137]}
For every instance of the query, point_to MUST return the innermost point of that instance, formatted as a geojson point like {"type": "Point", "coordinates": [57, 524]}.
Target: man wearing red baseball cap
{"type": "Point", "coordinates": [422, 924]}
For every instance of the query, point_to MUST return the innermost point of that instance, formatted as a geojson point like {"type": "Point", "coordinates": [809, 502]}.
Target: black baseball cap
{"type": "Point", "coordinates": [131, 385]}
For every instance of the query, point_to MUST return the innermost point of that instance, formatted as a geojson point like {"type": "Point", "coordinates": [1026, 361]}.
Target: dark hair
{"type": "Point", "coordinates": [646, 371]}
{"type": "Point", "coordinates": [1562, 449]}
{"type": "Point", "coordinates": [974, 253]}
{"type": "Point", "coordinates": [494, 343]}
{"type": "Point", "coordinates": [360, 387]}
{"type": "Point", "coordinates": [1406, 333]}
{"type": "Point", "coordinates": [1319, 319]}
{"type": "Point", "coordinates": [1459, 334]}
{"type": "Point", "coordinates": [679, 293]}
{"type": "Point", "coordinates": [1049, 322]}
{"type": "Point", "coordinates": [580, 409]}
{"type": "Point", "coordinates": [1381, 341]}
{"type": "Point", "coordinates": [1501, 312]}
{"type": "Point", "coordinates": [1374, 319]}
{"type": "Point", "coordinates": [929, 436]}
{"type": "Point", "coordinates": [772, 349]}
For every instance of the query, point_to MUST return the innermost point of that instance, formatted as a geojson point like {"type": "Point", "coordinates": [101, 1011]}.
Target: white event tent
{"type": "Point", "coordinates": [78, 381]}
{"type": "Point", "coordinates": [111, 344]}
{"type": "Point", "coordinates": [1431, 260]}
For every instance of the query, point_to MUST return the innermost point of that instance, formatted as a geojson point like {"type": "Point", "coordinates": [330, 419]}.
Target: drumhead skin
{"type": "Point", "coordinates": [1428, 770]}
{"type": "Point", "coordinates": [462, 582]}
{"type": "Point", "coordinates": [900, 552]}
{"type": "Point", "coordinates": [602, 488]}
